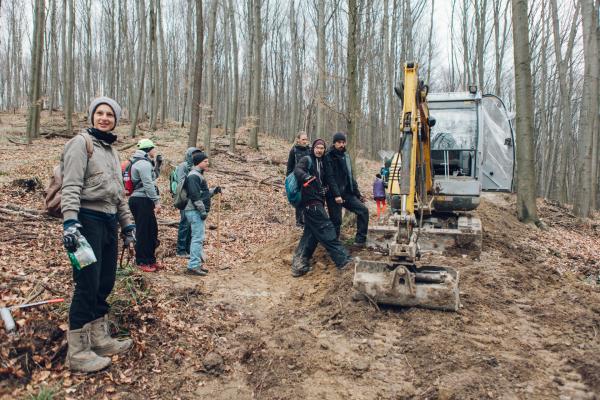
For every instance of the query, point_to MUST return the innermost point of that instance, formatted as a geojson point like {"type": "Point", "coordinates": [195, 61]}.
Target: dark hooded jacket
{"type": "Point", "coordinates": [339, 174]}
{"type": "Point", "coordinates": [306, 168]}
{"type": "Point", "coordinates": [296, 153]}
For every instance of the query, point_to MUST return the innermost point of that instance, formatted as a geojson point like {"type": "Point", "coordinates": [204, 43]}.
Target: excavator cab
{"type": "Point", "coordinates": [451, 147]}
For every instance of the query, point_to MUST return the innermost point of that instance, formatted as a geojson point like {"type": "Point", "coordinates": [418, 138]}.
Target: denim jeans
{"type": "Point", "coordinates": [183, 234]}
{"type": "Point", "coordinates": [196, 245]}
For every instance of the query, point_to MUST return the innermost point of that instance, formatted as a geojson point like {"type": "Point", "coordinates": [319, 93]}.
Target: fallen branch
{"type": "Point", "coordinates": [17, 142]}
{"type": "Point", "coordinates": [130, 145]}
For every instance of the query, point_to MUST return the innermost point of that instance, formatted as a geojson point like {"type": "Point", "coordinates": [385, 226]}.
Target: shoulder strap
{"type": "Point", "coordinates": [89, 144]}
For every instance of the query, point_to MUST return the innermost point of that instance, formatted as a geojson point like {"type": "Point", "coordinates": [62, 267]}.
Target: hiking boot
{"type": "Point", "coordinates": [203, 268]}
{"type": "Point", "coordinates": [80, 356]}
{"type": "Point", "coordinates": [299, 272]}
{"type": "Point", "coordinates": [196, 271]}
{"type": "Point", "coordinates": [147, 267]}
{"type": "Point", "coordinates": [183, 255]}
{"type": "Point", "coordinates": [102, 343]}
{"type": "Point", "coordinates": [348, 265]}
{"type": "Point", "coordinates": [360, 245]}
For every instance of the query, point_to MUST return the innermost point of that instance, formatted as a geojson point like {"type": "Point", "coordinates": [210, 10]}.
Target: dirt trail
{"type": "Point", "coordinates": [527, 329]}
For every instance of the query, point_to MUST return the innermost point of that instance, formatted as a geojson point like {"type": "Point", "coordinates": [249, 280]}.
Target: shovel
{"type": "Point", "coordinates": [9, 322]}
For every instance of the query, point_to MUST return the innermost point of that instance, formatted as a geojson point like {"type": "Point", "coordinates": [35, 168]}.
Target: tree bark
{"type": "Point", "coordinates": [588, 116]}
{"type": "Point", "coordinates": [236, 77]}
{"type": "Point", "coordinates": [141, 68]}
{"type": "Point", "coordinates": [210, 78]}
{"type": "Point", "coordinates": [196, 95]}
{"type": "Point", "coordinates": [351, 65]}
{"type": "Point", "coordinates": [526, 206]}
{"type": "Point", "coordinates": [256, 74]}
{"type": "Point", "coordinates": [35, 98]}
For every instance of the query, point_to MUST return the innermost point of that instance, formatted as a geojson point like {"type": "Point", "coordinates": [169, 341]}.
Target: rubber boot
{"type": "Point", "coordinates": [80, 357]}
{"type": "Point", "coordinates": [102, 343]}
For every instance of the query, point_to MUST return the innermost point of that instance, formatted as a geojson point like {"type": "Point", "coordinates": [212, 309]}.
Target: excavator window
{"type": "Point", "coordinates": [454, 141]}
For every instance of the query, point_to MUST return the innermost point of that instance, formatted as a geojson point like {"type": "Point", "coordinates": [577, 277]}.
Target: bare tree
{"type": "Point", "coordinates": [588, 117]}
{"type": "Point", "coordinates": [35, 97]}
{"type": "Point", "coordinates": [236, 77]}
{"type": "Point", "coordinates": [196, 94]}
{"type": "Point", "coordinates": [526, 207]}
{"type": "Point", "coordinates": [351, 65]}
{"type": "Point", "coordinates": [256, 73]}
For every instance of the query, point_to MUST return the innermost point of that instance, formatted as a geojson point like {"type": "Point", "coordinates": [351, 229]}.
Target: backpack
{"type": "Point", "coordinates": [127, 180]}
{"type": "Point", "coordinates": [293, 190]}
{"type": "Point", "coordinates": [52, 200]}
{"type": "Point", "coordinates": [181, 196]}
{"type": "Point", "coordinates": [173, 182]}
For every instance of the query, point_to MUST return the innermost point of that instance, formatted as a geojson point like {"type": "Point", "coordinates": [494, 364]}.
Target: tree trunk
{"type": "Point", "coordinates": [196, 95]}
{"type": "Point", "coordinates": [35, 98]}
{"type": "Point", "coordinates": [188, 58]}
{"type": "Point", "coordinates": [321, 67]}
{"type": "Point", "coordinates": [256, 74]}
{"type": "Point", "coordinates": [588, 116]}
{"type": "Point", "coordinates": [141, 70]}
{"type": "Point", "coordinates": [236, 77]}
{"type": "Point", "coordinates": [210, 78]}
{"type": "Point", "coordinates": [164, 69]}
{"type": "Point", "coordinates": [526, 206]}
{"type": "Point", "coordinates": [351, 65]}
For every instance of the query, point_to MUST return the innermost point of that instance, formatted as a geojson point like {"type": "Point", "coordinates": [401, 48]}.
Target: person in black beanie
{"type": "Point", "coordinates": [196, 211]}
{"type": "Point", "coordinates": [343, 190]}
{"type": "Point", "coordinates": [93, 206]}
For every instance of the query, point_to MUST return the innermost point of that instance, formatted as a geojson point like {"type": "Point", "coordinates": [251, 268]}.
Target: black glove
{"type": "Point", "coordinates": [128, 235]}
{"type": "Point", "coordinates": [203, 215]}
{"type": "Point", "coordinates": [71, 237]}
{"type": "Point", "coordinates": [217, 190]}
{"type": "Point", "coordinates": [159, 159]}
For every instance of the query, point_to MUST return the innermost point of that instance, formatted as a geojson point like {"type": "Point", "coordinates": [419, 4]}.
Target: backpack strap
{"type": "Point", "coordinates": [89, 144]}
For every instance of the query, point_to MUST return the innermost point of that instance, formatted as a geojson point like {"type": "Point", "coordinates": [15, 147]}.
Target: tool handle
{"type": "Point", "coordinates": [39, 303]}
{"type": "Point", "coordinates": [309, 181]}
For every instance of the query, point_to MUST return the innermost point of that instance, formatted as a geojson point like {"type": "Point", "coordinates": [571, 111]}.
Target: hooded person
{"type": "Point", "coordinates": [145, 204]}
{"type": "Point", "coordinates": [343, 189]}
{"type": "Point", "coordinates": [299, 150]}
{"type": "Point", "coordinates": [184, 233]}
{"type": "Point", "coordinates": [93, 206]}
{"type": "Point", "coordinates": [311, 174]}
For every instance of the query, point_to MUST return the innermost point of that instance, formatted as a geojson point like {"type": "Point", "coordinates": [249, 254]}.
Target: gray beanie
{"type": "Point", "coordinates": [104, 100]}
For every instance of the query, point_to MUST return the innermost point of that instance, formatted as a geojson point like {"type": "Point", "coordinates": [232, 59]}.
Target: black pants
{"type": "Point", "coordinates": [352, 204]}
{"type": "Point", "coordinates": [299, 216]}
{"type": "Point", "coordinates": [146, 229]}
{"type": "Point", "coordinates": [319, 229]}
{"type": "Point", "coordinates": [94, 283]}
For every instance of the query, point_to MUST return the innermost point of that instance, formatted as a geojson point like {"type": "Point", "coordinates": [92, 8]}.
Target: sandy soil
{"type": "Point", "coordinates": [527, 328]}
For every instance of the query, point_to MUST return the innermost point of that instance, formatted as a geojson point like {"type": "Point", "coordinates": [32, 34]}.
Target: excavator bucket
{"type": "Point", "coordinates": [427, 286]}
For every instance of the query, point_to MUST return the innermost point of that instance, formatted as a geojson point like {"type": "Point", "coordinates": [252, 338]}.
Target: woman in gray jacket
{"type": "Point", "coordinates": [93, 206]}
{"type": "Point", "coordinates": [144, 204]}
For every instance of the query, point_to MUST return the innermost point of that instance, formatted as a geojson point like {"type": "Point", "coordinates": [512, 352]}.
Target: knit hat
{"type": "Point", "coordinates": [197, 158]}
{"type": "Point", "coordinates": [339, 137]}
{"type": "Point", "coordinates": [108, 101]}
{"type": "Point", "coordinates": [146, 144]}
{"type": "Point", "coordinates": [319, 141]}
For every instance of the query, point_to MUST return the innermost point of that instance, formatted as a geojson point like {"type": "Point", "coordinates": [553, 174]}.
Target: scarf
{"type": "Point", "coordinates": [107, 137]}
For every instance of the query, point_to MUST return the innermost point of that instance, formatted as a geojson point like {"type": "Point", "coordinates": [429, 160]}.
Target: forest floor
{"type": "Point", "coordinates": [528, 327]}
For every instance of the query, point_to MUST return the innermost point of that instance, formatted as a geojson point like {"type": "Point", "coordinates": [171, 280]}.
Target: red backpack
{"type": "Point", "coordinates": [126, 171]}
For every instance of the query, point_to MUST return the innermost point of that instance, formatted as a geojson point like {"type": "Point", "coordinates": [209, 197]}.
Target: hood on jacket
{"type": "Point", "coordinates": [188, 155]}
{"type": "Point", "coordinates": [140, 154]}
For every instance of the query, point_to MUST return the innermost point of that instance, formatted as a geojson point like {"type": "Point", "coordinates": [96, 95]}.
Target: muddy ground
{"type": "Point", "coordinates": [527, 328]}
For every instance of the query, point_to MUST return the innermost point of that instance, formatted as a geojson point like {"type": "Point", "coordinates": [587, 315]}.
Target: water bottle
{"type": "Point", "coordinates": [83, 256]}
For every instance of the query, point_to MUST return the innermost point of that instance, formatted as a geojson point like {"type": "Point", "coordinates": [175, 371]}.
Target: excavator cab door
{"type": "Point", "coordinates": [497, 146]}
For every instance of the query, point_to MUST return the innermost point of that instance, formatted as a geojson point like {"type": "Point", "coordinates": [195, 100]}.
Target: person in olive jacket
{"type": "Point", "coordinates": [93, 206]}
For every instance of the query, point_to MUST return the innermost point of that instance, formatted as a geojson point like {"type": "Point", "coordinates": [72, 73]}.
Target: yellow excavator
{"type": "Point", "coordinates": [435, 179]}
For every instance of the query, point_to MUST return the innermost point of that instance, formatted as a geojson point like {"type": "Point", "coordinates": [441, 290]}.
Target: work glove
{"type": "Point", "coordinates": [217, 190]}
{"type": "Point", "coordinates": [128, 235]}
{"type": "Point", "coordinates": [71, 235]}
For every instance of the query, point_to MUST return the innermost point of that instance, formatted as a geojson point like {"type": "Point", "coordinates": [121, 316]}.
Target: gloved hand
{"type": "Point", "coordinates": [128, 235]}
{"type": "Point", "coordinates": [203, 215]}
{"type": "Point", "coordinates": [159, 159]}
{"type": "Point", "coordinates": [217, 190]}
{"type": "Point", "coordinates": [71, 235]}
